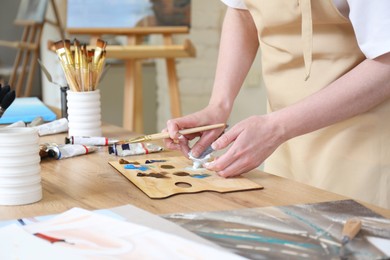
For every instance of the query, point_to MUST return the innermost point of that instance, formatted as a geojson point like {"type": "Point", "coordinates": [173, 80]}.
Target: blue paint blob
{"type": "Point", "coordinates": [200, 176]}
{"type": "Point", "coordinates": [135, 167]}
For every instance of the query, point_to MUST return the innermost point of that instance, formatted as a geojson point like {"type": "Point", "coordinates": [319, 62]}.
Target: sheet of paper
{"type": "Point", "coordinates": [88, 235]}
{"type": "Point", "coordinates": [16, 243]}
{"type": "Point", "coordinates": [380, 243]}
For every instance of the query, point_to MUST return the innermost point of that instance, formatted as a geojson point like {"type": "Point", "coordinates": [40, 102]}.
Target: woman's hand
{"type": "Point", "coordinates": [208, 116]}
{"type": "Point", "coordinates": [253, 140]}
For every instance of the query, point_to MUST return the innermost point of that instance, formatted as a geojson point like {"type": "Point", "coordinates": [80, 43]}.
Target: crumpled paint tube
{"type": "Point", "coordinates": [90, 140]}
{"type": "Point", "coordinates": [70, 150]}
{"type": "Point", "coordinates": [203, 158]}
{"type": "Point", "coordinates": [125, 149]}
{"type": "Point", "coordinates": [54, 127]}
{"type": "Point", "coordinates": [37, 121]}
{"type": "Point", "coordinates": [17, 124]}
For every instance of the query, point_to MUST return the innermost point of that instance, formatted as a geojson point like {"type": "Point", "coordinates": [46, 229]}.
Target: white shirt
{"type": "Point", "coordinates": [370, 20]}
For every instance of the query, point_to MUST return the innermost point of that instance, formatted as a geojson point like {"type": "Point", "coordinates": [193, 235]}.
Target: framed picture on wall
{"type": "Point", "coordinates": [32, 10]}
{"type": "Point", "coordinates": [127, 13]}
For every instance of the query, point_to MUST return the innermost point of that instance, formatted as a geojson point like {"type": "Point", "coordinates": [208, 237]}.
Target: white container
{"type": "Point", "coordinates": [20, 170]}
{"type": "Point", "coordinates": [84, 113]}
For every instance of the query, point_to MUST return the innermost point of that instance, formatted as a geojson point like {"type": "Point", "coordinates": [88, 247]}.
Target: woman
{"type": "Point", "coordinates": [328, 89]}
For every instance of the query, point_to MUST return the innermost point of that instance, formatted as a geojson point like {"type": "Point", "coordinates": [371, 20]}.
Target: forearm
{"type": "Point", "coordinates": [238, 48]}
{"type": "Point", "coordinates": [361, 89]}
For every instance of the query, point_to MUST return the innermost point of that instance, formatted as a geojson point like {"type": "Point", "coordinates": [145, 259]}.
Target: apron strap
{"type": "Point", "coordinates": [307, 35]}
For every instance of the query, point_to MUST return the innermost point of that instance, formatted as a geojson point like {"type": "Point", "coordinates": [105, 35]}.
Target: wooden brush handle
{"type": "Point", "coordinates": [351, 228]}
{"type": "Point", "coordinates": [186, 131]}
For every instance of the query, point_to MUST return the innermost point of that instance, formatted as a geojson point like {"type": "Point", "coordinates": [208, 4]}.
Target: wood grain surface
{"type": "Point", "coordinates": [176, 176]}
{"type": "Point", "coordinates": [90, 182]}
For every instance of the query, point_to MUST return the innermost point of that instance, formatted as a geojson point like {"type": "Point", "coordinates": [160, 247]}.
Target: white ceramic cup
{"type": "Point", "coordinates": [84, 113]}
{"type": "Point", "coordinates": [20, 171]}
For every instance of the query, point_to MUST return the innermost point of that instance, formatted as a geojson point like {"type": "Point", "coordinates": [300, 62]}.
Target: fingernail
{"type": "Point", "coordinates": [209, 165]}
{"type": "Point", "coordinates": [214, 146]}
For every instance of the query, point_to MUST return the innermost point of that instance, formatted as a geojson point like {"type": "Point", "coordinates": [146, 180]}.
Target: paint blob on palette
{"type": "Point", "coordinates": [164, 177]}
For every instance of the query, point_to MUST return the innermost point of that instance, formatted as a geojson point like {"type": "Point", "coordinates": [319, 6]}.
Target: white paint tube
{"type": "Point", "coordinates": [70, 150]}
{"type": "Point", "coordinates": [89, 140]}
{"type": "Point", "coordinates": [17, 124]}
{"type": "Point", "coordinates": [202, 159]}
{"type": "Point", "coordinates": [54, 127]}
{"type": "Point", "coordinates": [134, 149]}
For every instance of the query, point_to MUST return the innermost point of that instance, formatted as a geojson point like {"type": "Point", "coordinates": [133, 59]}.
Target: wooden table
{"type": "Point", "coordinates": [90, 182]}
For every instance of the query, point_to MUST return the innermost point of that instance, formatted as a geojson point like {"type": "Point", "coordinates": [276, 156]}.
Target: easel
{"type": "Point", "coordinates": [28, 46]}
{"type": "Point", "coordinates": [133, 54]}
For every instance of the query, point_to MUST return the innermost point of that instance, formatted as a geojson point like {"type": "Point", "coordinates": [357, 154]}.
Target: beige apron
{"type": "Point", "coordinates": [305, 45]}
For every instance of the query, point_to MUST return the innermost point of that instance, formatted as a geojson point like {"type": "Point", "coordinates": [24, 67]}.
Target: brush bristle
{"type": "Point", "coordinates": [59, 45]}
{"type": "Point", "coordinates": [76, 43]}
{"type": "Point", "coordinates": [101, 44]}
{"type": "Point", "coordinates": [67, 44]}
{"type": "Point", "coordinates": [4, 91]}
{"type": "Point", "coordinates": [8, 99]}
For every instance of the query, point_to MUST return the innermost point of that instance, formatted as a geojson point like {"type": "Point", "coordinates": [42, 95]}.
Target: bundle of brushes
{"type": "Point", "coordinates": [82, 67]}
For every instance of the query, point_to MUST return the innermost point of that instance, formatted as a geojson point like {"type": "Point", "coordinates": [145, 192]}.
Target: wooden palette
{"type": "Point", "coordinates": [158, 181]}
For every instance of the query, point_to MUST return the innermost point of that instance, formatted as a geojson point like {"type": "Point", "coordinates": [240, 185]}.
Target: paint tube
{"type": "Point", "coordinates": [202, 159]}
{"type": "Point", "coordinates": [70, 150]}
{"type": "Point", "coordinates": [125, 149]}
{"type": "Point", "coordinates": [36, 122]}
{"type": "Point", "coordinates": [87, 140]}
{"type": "Point", "coordinates": [18, 124]}
{"type": "Point", "coordinates": [54, 127]}
{"type": "Point", "coordinates": [44, 149]}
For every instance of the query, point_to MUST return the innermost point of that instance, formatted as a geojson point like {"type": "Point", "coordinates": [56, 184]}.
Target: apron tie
{"type": "Point", "coordinates": [307, 35]}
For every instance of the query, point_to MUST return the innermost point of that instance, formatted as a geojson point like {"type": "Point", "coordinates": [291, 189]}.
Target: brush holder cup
{"type": "Point", "coordinates": [84, 113]}
{"type": "Point", "coordinates": [20, 170]}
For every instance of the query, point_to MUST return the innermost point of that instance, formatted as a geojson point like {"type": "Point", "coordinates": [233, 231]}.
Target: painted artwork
{"type": "Point", "coordinates": [160, 177]}
{"type": "Point", "coordinates": [128, 13]}
{"type": "Point", "coordinates": [82, 234]}
{"type": "Point", "coordinates": [310, 231]}
{"type": "Point", "coordinates": [32, 10]}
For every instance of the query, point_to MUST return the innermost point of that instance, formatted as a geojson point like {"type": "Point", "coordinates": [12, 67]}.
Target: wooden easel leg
{"type": "Point", "coordinates": [133, 96]}
{"type": "Point", "coordinates": [174, 92]}
{"type": "Point", "coordinates": [18, 57]}
{"type": "Point", "coordinates": [33, 63]}
{"type": "Point", "coordinates": [26, 58]}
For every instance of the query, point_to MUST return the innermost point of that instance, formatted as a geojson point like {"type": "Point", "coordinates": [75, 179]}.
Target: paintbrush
{"type": "Point", "coordinates": [350, 230]}
{"type": "Point", "coordinates": [3, 91]}
{"type": "Point", "coordinates": [164, 135]}
{"type": "Point", "coordinates": [7, 101]}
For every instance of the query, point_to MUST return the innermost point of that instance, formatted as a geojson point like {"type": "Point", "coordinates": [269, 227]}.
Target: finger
{"type": "Point", "coordinates": [203, 143]}
{"type": "Point", "coordinates": [226, 139]}
{"type": "Point", "coordinates": [184, 147]}
{"type": "Point", "coordinates": [233, 169]}
{"type": "Point", "coordinates": [222, 162]}
{"type": "Point", "coordinates": [173, 129]}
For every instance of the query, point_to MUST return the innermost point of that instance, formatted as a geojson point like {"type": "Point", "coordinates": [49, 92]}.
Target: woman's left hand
{"type": "Point", "coordinates": [253, 140]}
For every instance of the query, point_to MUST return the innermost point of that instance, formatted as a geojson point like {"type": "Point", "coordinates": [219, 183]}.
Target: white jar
{"type": "Point", "coordinates": [20, 171]}
{"type": "Point", "coordinates": [84, 113]}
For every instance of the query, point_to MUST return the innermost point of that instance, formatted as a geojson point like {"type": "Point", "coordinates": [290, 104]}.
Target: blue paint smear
{"type": "Point", "coordinates": [319, 231]}
{"type": "Point", "coordinates": [135, 167]}
{"type": "Point", "coordinates": [200, 176]}
{"type": "Point", "coordinates": [262, 239]}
